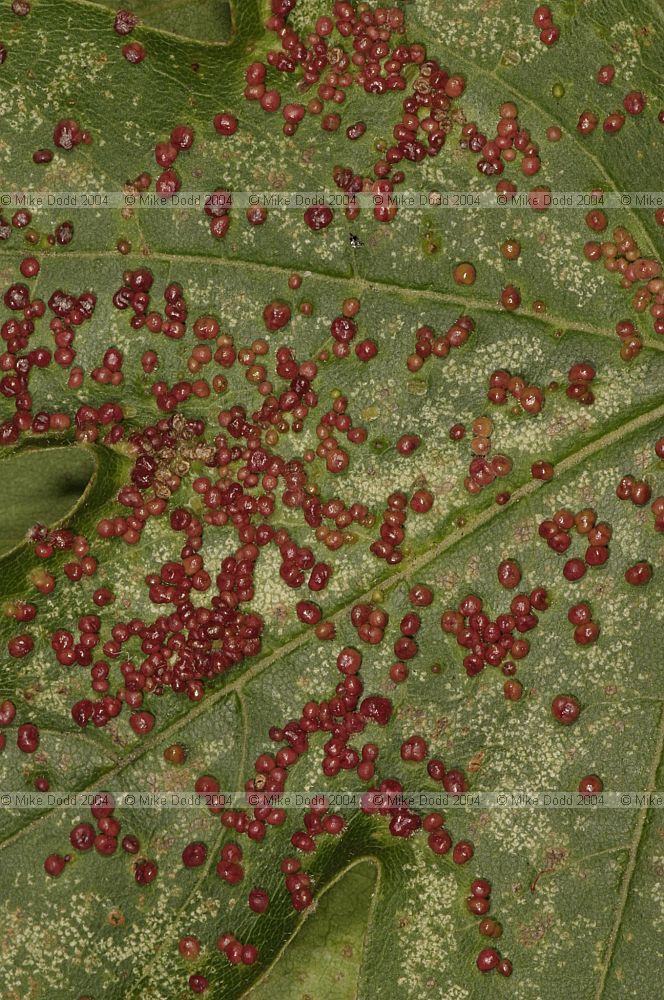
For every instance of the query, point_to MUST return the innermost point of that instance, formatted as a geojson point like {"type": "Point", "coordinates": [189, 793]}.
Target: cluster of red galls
{"type": "Point", "coordinates": [105, 840]}
{"type": "Point", "coordinates": [634, 103]}
{"type": "Point", "coordinates": [496, 152]}
{"type": "Point", "coordinates": [557, 533]}
{"type": "Point", "coordinates": [377, 65]}
{"type": "Point", "coordinates": [392, 531]}
{"type": "Point", "coordinates": [622, 256]}
{"type": "Point", "coordinates": [491, 642]}
{"type": "Point", "coordinates": [479, 904]}
{"type": "Point", "coordinates": [69, 312]}
{"type": "Point", "coordinates": [123, 25]}
{"type": "Point", "coordinates": [501, 383]}
{"type": "Point", "coordinates": [427, 344]}
{"type": "Point", "coordinates": [67, 134]}
{"type": "Point", "coordinates": [543, 19]}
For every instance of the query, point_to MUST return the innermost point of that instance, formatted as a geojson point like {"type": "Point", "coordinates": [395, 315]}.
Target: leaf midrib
{"type": "Point", "coordinates": [372, 284]}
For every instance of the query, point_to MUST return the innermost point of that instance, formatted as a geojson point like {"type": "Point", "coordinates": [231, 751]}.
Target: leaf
{"type": "Point", "coordinates": [41, 486]}
{"type": "Point", "coordinates": [575, 889]}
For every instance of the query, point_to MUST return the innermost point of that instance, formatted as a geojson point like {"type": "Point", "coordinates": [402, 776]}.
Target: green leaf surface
{"type": "Point", "coordinates": [41, 486]}
{"type": "Point", "coordinates": [575, 889]}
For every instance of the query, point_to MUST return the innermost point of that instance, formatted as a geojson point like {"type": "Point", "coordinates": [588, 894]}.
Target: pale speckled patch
{"type": "Point", "coordinates": [481, 39]}
{"type": "Point", "coordinates": [425, 905]}
{"type": "Point", "coordinates": [626, 47]}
